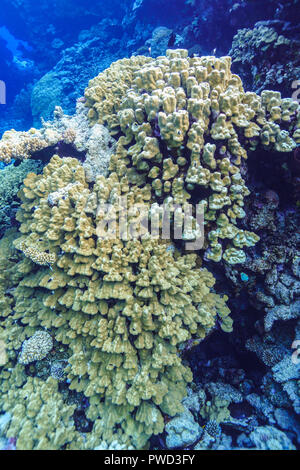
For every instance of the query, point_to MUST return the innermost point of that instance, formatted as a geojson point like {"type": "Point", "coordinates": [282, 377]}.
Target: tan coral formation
{"type": "Point", "coordinates": [183, 125]}
{"type": "Point", "coordinates": [121, 306]}
{"type": "Point", "coordinates": [36, 347]}
{"type": "Point", "coordinates": [21, 145]}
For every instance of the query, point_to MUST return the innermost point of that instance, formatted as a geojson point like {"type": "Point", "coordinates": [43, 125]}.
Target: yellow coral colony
{"type": "Point", "coordinates": [121, 307]}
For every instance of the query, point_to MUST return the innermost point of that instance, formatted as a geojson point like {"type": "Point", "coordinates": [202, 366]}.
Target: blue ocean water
{"type": "Point", "coordinates": [245, 389]}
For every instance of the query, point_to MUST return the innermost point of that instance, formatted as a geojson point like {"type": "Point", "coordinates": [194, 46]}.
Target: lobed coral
{"type": "Point", "coordinates": [40, 418]}
{"type": "Point", "coordinates": [122, 306]}
{"type": "Point", "coordinates": [184, 127]}
{"type": "Point", "coordinates": [11, 179]}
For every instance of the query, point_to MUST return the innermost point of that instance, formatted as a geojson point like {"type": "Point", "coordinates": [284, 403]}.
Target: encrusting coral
{"type": "Point", "coordinates": [120, 306]}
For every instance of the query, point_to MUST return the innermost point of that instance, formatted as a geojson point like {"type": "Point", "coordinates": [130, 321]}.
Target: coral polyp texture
{"type": "Point", "coordinates": [120, 308]}
{"type": "Point", "coordinates": [21, 145]}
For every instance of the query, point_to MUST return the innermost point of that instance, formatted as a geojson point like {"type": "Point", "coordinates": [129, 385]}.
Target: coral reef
{"type": "Point", "coordinates": [182, 431]}
{"type": "Point", "coordinates": [128, 315]}
{"type": "Point", "coordinates": [101, 35]}
{"type": "Point", "coordinates": [159, 42]}
{"type": "Point", "coordinates": [18, 115]}
{"type": "Point", "coordinates": [5, 444]}
{"type": "Point", "coordinates": [27, 21]}
{"type": "Point", "coordinates": [258, 56]}
{"type": "Point", "coordinates": [270, 438]}
{"type": "Point", "coordinates": [63, 135]}
{"type": "Point", "coordinates": [11, 179]}
{"type": "Point", "coordinates": [273, 283]}
{"type": "Point", "coordinates": [229, 410]}
{"type": "Point", "coordinates": [113, 446]}
{"type": "Point", "coordinates": [3, 357]}
{"type": "Point", "coordinates": [65, 82]}
{"type": "Point", "coordinates": [206, 25]}
{"type": "Point", "coordinates": [22, 145]}
{"type": "Point", "coordinates": [121, 310]}
{"type": "Point", "coordinates": [8, 275]}
{"type": "Point", "coordinates": [40, 419]}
